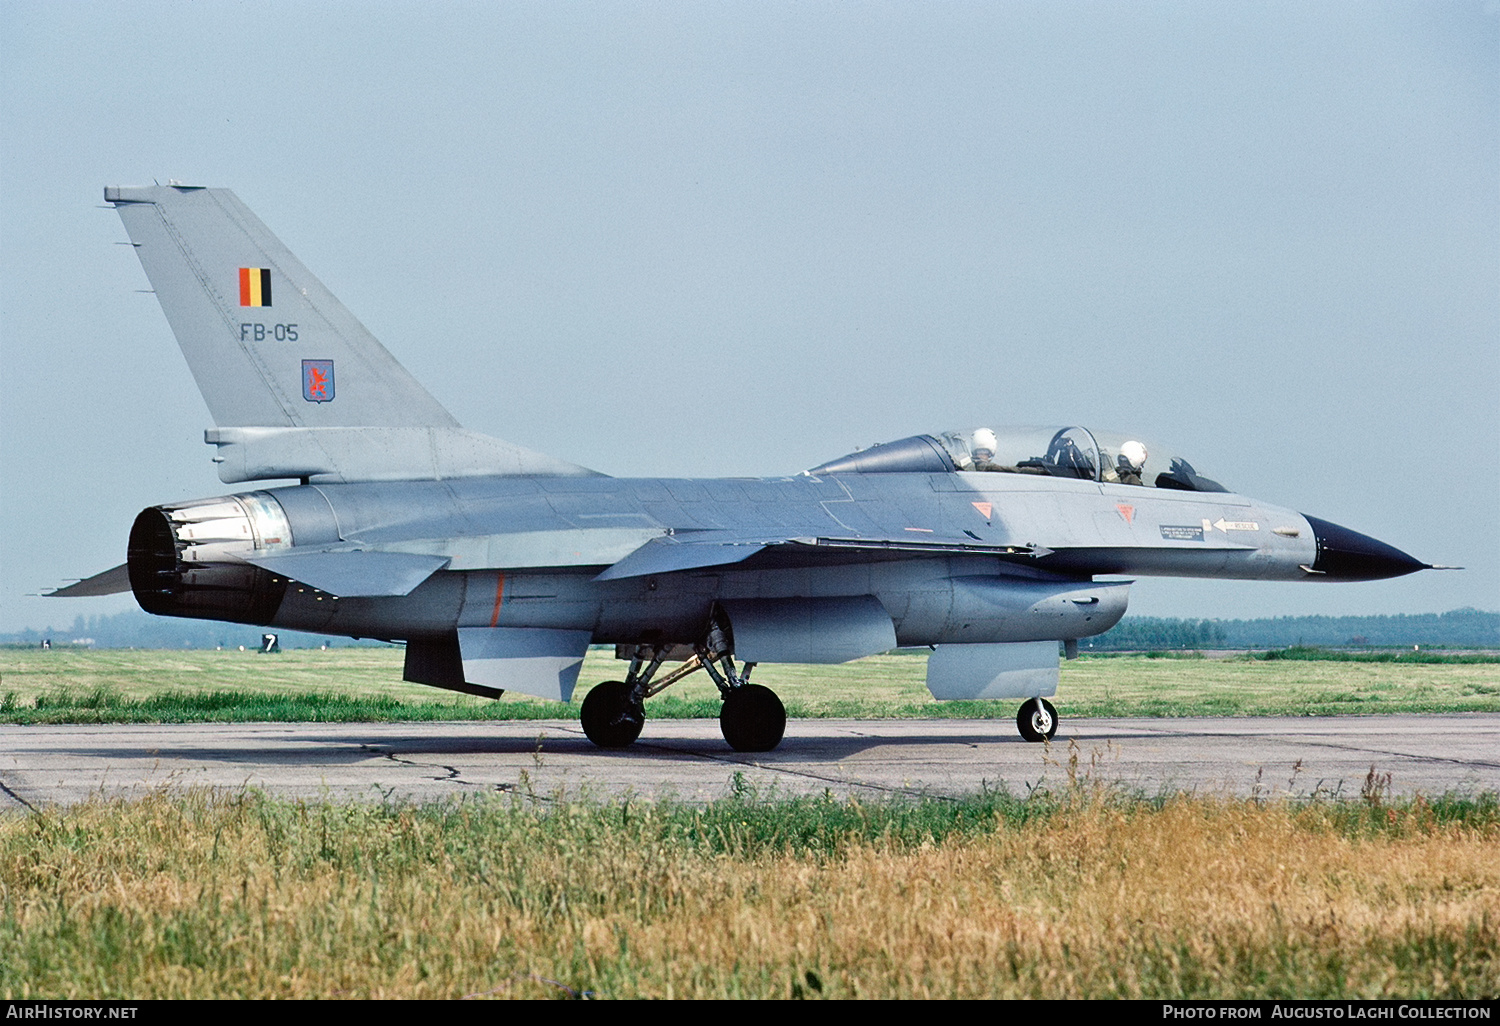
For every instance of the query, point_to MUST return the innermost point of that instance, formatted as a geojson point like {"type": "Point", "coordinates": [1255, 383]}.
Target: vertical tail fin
{"type": "Point", "coordinates": [298, 387]}
{"type": "Point", "coordinates": [268, 344]}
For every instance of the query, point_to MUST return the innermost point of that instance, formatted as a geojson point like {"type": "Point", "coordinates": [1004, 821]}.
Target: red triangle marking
{"type": "Point", "coordinates": [985, 508]}
{"type": "Point", "coordinates": [1128, 512]}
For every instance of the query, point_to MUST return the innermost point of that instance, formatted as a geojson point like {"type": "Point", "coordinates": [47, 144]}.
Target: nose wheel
{"type": "Point", "coordinates": [1037, 720]}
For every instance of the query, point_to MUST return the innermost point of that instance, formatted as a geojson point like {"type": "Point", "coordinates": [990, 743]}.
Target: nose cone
{"type": "Point", "coordinates": [1345, 555]}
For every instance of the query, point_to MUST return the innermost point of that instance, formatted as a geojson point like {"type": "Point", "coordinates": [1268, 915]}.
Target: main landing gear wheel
{"type": "Point", "coordinates": [753, 719]}
{"type": "Point", "coordinates": [610, 717]}
{"type": "Point", "coordinates": [1037, 720]}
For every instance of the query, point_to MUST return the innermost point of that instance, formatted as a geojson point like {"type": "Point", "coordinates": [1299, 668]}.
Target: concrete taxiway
{"type": "Point", "coordinates": [688, 759]}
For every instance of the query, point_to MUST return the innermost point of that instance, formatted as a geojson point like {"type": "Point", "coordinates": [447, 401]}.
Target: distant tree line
{"type": "Point", "coordinates": [1148, 633]}
{"type": "Point", "coordinates": [136, 629]}
{"type": "Point", "coordinates": [1460, 628]}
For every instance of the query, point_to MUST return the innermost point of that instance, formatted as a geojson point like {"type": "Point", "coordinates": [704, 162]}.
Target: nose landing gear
{"type": "Point", "coordinates": [1037, 720]}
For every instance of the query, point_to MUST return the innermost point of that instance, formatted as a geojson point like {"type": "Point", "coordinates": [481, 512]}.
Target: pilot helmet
{"type": "Point", "coordinates": [1134, 453]}
{"type": "Point", "coordinates": [984, 442]}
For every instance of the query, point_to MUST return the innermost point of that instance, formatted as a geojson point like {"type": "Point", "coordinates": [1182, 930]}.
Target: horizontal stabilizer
{"type": "Point", "coordinates": [110, 582]}
{"type": "Point", "coordinates": [354, 574]}
{"type": "Point", "coordinates": [533, 661]}
{"type": "Point", "coordinates": [668, 554]}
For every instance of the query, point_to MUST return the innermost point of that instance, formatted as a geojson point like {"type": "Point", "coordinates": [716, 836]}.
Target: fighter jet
{"type": "Point", "coordinates": [499, 566]}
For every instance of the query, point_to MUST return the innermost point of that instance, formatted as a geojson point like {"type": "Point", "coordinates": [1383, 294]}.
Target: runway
{"type": "Point", "coordinates": [688, 759]}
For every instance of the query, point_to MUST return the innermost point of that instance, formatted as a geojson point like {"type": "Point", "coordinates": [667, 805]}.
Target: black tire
{"type": "Point", "coordinates": [1037, 720]}
{"type": "Point", "coordinates": [610, 718]}
{"type": "Point", "coordinates": [753, 719]}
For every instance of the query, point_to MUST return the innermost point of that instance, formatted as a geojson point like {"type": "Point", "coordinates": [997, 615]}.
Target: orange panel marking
{"type": "Point", "coordinates": [499, 599]}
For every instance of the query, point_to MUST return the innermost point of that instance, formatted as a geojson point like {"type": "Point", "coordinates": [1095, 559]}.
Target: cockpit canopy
{"type": "Point", "coordinates": [1071, 452]}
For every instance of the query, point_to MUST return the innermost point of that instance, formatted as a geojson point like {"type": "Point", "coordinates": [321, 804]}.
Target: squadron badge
{"type": "Point", "coordinates": [317, 381]}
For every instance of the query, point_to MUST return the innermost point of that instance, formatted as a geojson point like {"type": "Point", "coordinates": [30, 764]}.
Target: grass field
{"type": "Point", "coordinates": [1086, 892]}
{"type": "Point", "coordinates": [1079, 894]}
{"type": "Point", "coordinates": [365, 684]}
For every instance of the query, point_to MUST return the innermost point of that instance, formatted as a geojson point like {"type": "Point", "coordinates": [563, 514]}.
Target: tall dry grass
{"type": "Point", "coordinates": [1079, 895]}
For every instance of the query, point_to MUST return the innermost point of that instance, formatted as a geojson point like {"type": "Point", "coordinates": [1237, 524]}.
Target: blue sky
{"type": "Point", "coordinates": [735, 238]}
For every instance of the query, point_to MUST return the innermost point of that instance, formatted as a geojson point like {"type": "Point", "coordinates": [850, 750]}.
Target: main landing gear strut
{"type": "Point", "coordinates": [752, 717]}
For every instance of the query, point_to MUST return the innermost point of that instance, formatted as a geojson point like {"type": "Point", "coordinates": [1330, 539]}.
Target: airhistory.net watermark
{"type": "Point", "coordinates": [69, 1010]}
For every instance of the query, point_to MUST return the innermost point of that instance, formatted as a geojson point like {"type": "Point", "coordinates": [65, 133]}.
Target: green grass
{"type": "Point", "coordinates": [127, 686]}
{"type": "Point", "coordinates": [1307, 653]}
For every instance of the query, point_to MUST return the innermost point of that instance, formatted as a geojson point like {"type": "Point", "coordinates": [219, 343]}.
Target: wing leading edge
{"type": "Point", "coordinates": [705, 550]}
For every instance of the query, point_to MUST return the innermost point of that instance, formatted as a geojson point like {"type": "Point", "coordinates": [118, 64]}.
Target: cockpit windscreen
{"type": "Point", "coordinates": [1073, 452]}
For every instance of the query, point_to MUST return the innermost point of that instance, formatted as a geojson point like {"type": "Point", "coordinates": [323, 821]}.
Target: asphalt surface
{"type": "Point", "coordinates": [688, 759]}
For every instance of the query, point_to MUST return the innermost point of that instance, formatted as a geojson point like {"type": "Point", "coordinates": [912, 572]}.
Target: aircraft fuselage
{"type": "Point", "coordinates": [526, 552]}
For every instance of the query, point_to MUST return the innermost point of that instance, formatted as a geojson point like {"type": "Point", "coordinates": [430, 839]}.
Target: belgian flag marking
{"type": "Point", "coordinates": [255, 286]}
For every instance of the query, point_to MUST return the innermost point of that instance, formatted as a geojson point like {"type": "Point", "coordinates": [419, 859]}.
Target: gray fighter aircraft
{"type": "Point", "coordinates": [499, 566]}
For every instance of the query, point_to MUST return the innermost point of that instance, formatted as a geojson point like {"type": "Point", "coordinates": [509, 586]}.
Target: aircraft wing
{"type": "Point", "coordinates": [930, 545]}
{"type": "Point", "coordinates": [671, 553]}
{"type": "Point", "coordinates": [702, 550]}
